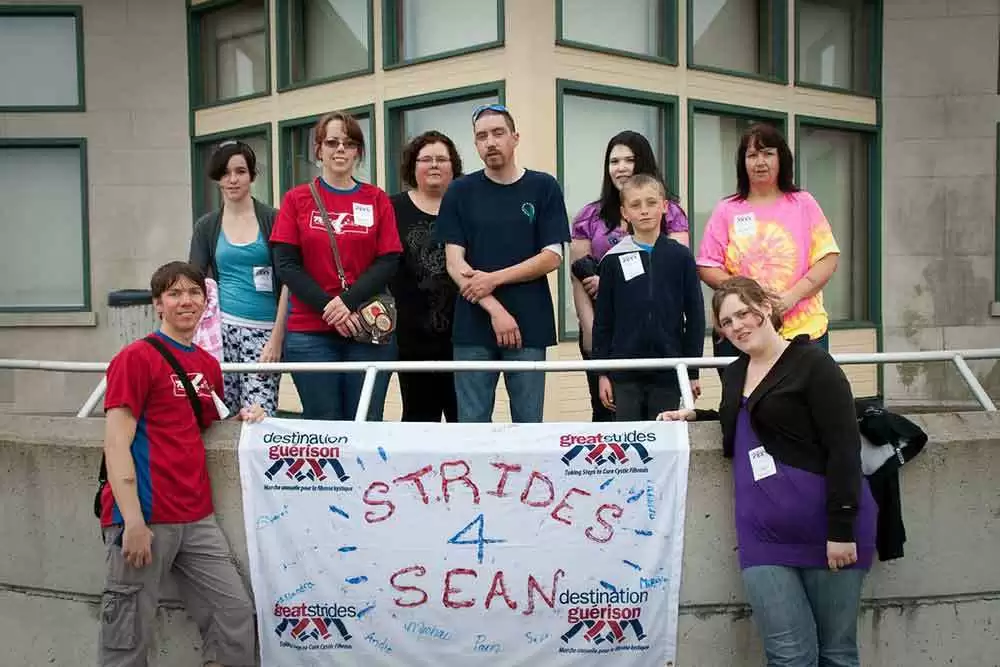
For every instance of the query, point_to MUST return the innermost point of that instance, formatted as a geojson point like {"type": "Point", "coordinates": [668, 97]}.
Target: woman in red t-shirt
{"type": "Point", "coordinates": [324, 314]}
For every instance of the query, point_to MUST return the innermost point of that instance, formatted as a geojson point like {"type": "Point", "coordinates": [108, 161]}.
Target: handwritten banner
{"type": "Point", "coordinates": [443, 544]}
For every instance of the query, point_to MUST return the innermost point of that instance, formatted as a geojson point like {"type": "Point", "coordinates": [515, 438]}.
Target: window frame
{"type": "Point", "coordinates": [76, 12]}
{"type": "Point", "coordinates": [995, 306]}
{"type": "Point", "coordinates": [284, 44]}
{"type": "Point", "coordinates": [393, 118]}
{"type": "Point", "coordinates": [286, 146]}
{"type": "Point", "coordinates": [778, 45]}
{"type": "Point", "coordinates": [874, 259]}
{"type": "Point", "coordinates": [198, 178]}
{"type": "Point", "coordinates": [669, 45]}
{"type": "Point", "coordinates": [874, 63]}
{"type": "Point", "coordinates": [80, 144]}
{"type": "Point", "coordinates": [667, 103]}
{"type": "Point", "coordinates": [391, 17]}
{"type": "Point", "coordinates": [195, 15]}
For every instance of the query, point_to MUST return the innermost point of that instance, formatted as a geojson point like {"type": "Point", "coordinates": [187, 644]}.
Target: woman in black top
{"type": "Point", "coordinates": [805, 517]}
{"type": "Point", "coordinates": [425, 294]}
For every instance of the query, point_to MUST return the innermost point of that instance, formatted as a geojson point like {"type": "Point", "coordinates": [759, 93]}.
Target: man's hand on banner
{"type": "Point", "coordinates": [255, 413]}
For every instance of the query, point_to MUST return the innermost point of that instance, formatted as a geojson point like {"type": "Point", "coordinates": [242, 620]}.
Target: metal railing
{"type": "Point", "coordinates": [959, 358]}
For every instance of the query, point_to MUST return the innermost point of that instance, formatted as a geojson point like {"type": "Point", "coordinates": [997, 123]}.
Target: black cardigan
{"type": "Point", "coordinates": [803, 412]}
{"type": "Point", "coordinates": [206, 236]}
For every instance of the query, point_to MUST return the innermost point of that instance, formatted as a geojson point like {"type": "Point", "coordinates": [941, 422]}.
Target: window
{"type": "Point", "coordinates": [714, 136]}
{"type": "Point", "coordinates": [835, 166]}
{"type": "Point", "coordinates": [449, 112]}
{"type": "Point", "coordinates": [597, 114]}
{"type": "Point", "coordinates": [41, 58]}
{"type": "Point", "coordinates": [322, 40]}
{"type": "Point", "coordinates": [641, 27]}
{"type": "Point", "coordinates": [836, 44]}
{"type": "Point", "coordinates": [298, 141]}
{"type": "Point", "coordinates": [44, 265]}
{"type": "Point", "coordinates": [741, 36]}
{"type": "Point", "coordinates": [417, 30]}
{"type": "Point", "coordinates": [206, 192]}
{"type": "Point", "coordinates": [233, 48]}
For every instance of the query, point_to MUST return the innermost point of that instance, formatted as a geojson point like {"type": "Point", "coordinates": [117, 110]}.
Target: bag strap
{"type": "Point", "coordinates": [329, 232]}
{"type": "Point", "coordinates": [192, 394]}
{"type": "Point", "coordinates": [182, 375]}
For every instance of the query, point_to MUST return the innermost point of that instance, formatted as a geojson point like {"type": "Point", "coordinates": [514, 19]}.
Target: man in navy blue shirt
{"type": "Point", "coordinates": [503, 228]}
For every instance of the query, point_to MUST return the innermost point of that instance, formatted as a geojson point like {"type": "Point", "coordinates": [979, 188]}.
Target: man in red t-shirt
{"type": "Point", "coordinates": [156, 510]}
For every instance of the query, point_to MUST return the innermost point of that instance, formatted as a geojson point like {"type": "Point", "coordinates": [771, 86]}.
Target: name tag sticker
{"type": "Point", "coordinates": [364, 215]}
{"type": "Point", "coordinates": [745, 224]}
{"type": "Point", "coordinates": [262, 278]}
{"type": "Point", "coordinates": [631, 266]}
{"type": "Point", "coordinates": [762, 464]}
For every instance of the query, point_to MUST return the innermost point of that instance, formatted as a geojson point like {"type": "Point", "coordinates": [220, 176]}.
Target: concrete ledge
{"type": "Point", "coordinates": [944, 592]}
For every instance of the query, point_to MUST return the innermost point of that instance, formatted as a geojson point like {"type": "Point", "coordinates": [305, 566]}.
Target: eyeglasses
{"type": "Point", "coordinates": [433, 159]}
{"type": "Point", "coordinates": [499, 108]}
{"type": "Point", "coordinates": [334, 143]}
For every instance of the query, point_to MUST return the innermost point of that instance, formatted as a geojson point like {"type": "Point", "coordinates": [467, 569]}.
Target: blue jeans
{"type": "Point", "coordinates": [335, 396]}
{"type": "Point", "coordinates": [476, 390]}
{"type": "Point", "coordinates": [806, 616]}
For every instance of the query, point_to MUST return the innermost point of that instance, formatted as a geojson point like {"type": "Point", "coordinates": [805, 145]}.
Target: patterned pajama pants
{"type": "Point", "coordinates": [244, 345]}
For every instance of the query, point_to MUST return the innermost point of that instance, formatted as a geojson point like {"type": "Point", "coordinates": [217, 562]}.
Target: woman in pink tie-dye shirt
{"type": "Point", "coordinates": [773, 232]}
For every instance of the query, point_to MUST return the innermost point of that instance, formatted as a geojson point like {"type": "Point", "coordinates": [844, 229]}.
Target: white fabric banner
{"type": "Point", "coordinates": [450, 544]}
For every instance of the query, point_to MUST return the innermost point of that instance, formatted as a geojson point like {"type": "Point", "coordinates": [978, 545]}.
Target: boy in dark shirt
{"type": "Point", "coordinates": [649, 306]}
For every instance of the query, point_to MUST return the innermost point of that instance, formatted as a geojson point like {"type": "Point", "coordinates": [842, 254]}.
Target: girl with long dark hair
{"type": "Point", "coordinates": [599, 226]}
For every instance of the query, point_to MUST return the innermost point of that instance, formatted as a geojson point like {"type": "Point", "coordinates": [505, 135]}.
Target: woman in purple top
{"type": "Point", "coordinates": [805, 517]}
{"type": "Point", "coordinates": [599, 225]}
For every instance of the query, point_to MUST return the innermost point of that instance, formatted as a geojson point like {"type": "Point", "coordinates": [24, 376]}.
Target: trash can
{"type": "Point", "coordinates": [131, 314]}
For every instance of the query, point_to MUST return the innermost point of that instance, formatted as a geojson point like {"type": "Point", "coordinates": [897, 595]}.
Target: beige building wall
{"type": "Point", "coordinates": [529, 64]}
{"type": "Point", "coordinates": [139, 185]}
{"type": "Point", "coordinates": [136, 124]}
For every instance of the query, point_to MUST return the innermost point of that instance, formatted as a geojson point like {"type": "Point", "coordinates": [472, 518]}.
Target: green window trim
{"type": "Point", "coordinates": [199, 180]}
{"type": "Point", "coordinates": [773, 51]}
{"type": "Point", "coordinates": [79, 143]}
{"type": "Point", "coordinates": [670, 105]}
{"type": "Point", "coordinates": [874, 319]}
{"type": "Point", "coordinates": [195, 13]}
{"type": "Point", "coordinates": [668, 42]}
{"type": "Point", "coordinates": [995, 307]}
{"type": "Point", "coordinates": [393, 111]}
{"type": "Point", "coordinates": [284, 47]}
{"type": "Point", "coordinates": [75, 11]}
{"type": "Point", "coordinates": [391, 17]}
{"type": "Point", "coordinates": [286, 147]}
{"type": "Point", "coordinates": [874, 65]}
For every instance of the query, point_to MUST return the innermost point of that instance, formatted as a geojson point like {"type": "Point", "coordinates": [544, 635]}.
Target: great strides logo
{"type": "Point", "coordinates": [603, 453]}
{"type": "Point", "coordinates": [605, 618]}
{"type": "Point", "coordinates": [313, 626]}
{"type": "Point", "coordinates": [307, 459]}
